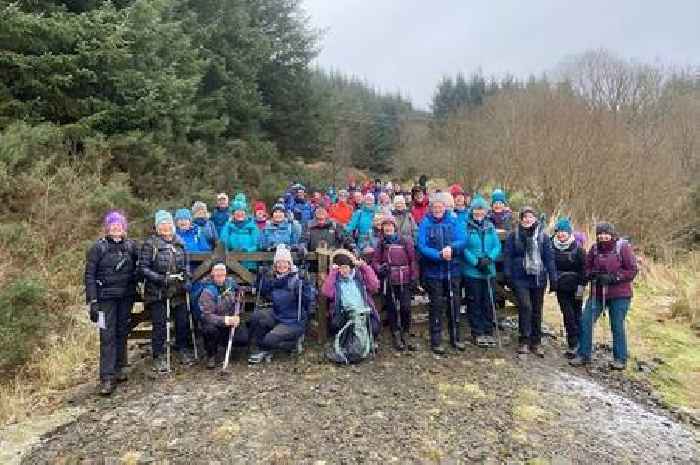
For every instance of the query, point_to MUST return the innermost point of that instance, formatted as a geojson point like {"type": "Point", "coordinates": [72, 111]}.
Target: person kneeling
{"type": "Point", "coordinates": [354, 319]}
{"type": "Point", "coordinates": [293, 299]}
{"type": "Point", "coordinates": [219, 316]}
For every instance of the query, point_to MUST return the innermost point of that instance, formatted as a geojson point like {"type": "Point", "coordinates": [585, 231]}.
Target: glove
{"type": "Point", "coordinates": [483, 264]}
{"type": "Point", "coordinates": [383, 270]}
{"type": "Point", "coordinates": [605, 279]}
{"type": "Point", "coordinates": [93, 312]}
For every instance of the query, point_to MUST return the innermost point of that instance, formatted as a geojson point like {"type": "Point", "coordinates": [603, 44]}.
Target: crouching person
{"type": "Point", "coordinates": [282, 327]}
{"type": "Point", "coordinates": [219, 316]}
{"type": "Point", "coordinates": [110, 287]}
{"type": "Point", "coordinates": [164, 265]}
{"type": "Point", "coordinates": [395, 262]}
{"type": "Point", "coordinates": [354, 321]}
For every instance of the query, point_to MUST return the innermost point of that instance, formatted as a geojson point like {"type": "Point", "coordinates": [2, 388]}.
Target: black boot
{"type": "Point", "coordinates": [399, 344]}
{"type": "Point", "coordinates": [106, 387]}
{"type": "Point", "coordinates": [408, 341]}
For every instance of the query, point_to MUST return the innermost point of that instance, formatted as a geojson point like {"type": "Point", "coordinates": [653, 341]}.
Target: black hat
{"type": "Point", "coordinates": [343, 257]}
{"type": "Point", "coordinates": [527, 210]}
{"type": "Point", "coordinates": [605, 228]}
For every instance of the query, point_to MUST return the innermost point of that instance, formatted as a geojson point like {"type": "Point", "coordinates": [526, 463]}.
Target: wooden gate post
{"type": "Point", "coordinates": [323, 257]}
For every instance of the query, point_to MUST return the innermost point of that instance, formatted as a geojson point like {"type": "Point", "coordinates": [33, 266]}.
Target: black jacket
{"type": "Point", "coordinates": [111, 270]}
{"type": "Point", "coordinates": [159, 258]}
{"type": "Point", "coordinates": [569, 264]}
{"type": "Point", "coordinates": [330, 232]}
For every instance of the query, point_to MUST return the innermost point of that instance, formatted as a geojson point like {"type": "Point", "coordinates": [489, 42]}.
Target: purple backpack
{"type": "Point", "coordinates": [396, 257]}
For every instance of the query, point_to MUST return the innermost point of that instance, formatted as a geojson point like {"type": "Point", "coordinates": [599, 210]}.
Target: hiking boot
{"type": "Point", "coordinates": [537, 350]}
{"type": "Point", "coordinates": [523, 349]}
{"type": "Point", "coordinates": [399, 344]}
{"type": "Point", "coordinates": [438, 350]}
{"type": "Point", "coordinates": [481, 341]}
{"type": "Point", "coordinates": [300, 345]}
{"type": "Point", "coordinates": [160, 365]}
{"type": "Point", "coordinates": [259, 357]}
{"type": "Point", "coordinates": [618, 365]}
{"type": "Point", "coordinates": [579, 362]}
{"type": "Point", "coordinates": [409, 342]}
{"type": "Point", "coordinates": [186, 357]}
{"type": "Point", "coordinates": [571, 352]}
{"type": "Point", "coordinates": [106, 387]}
{"type": "Point", "coordinates": [459, 345]}
{"type": "Point", "coordinates": [211, 362]}
{"type": "Point", "coordinates": [491, 340]}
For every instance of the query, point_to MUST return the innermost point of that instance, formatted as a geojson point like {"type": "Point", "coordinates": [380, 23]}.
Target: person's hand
{"type": "Point", "coordinates": [605, 279]}
{"type": "Point", "coordinates": [483, 264]}
{"type": "Point", "coordinates": [446, 253]}
{"type": "Point", "coordinates": [232, 320]}
{"type": "Point", "coordinates": [334, 267]}
{"type": "Point", "coordinates": [93, 311]}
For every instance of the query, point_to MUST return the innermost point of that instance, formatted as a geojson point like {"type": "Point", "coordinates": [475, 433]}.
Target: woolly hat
{"type": "Point", "coordinates": [260, 206]}
{"type": "Point", "coordinates": [342, 193]}
{"type": "Point", "coordinates": [527, 210]}
{"type": "Point", "coordinates": [282, 253]}
{"type": "Point", "coordinates": [479, 202]}
{"type": "Point", "coordinates": [240, 197]}
{"type": "Point", "coordinates": [183, 214]}
{"type": "Point", "coordinates": [278, 206]}
{"type": "Point", "coordinates": [114, 217]}
{"type": "Point", "coordinates": [199, 210]}
{"type": "Point", "coordinates": [163, 216]}
{"type": "Point", "coordinates": [443, 197]}
{"type": "Point", "coordinates": [343, 257]}
{"type": "Point", "coordinates": [498, 196]}
{"type": "Point", "coordinates": [399, 199]}
{"type": "Point", "coordinates": [563, 224]}
{"type": "Point", "coordinates": [237, 205]}
{"type": "Point", "coordinates": [455, 190]}
{"type": "Point", "coordinates": [219, 265]}
{"type": "Point", "coordinates": [605, 228]}
{"type": "Point", "coordinates": [387, 219]}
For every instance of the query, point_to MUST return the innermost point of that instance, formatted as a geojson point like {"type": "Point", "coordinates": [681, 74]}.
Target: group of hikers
{"type": "Point", "coordinates": [382, 240]}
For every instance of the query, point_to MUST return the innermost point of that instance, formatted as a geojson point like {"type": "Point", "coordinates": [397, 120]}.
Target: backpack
{"type": "Point", "coordinates": [396, 257]}
{"type": "Point", "coordinates": [354, 341]}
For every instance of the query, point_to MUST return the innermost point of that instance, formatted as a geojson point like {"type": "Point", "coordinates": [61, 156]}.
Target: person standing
{"type": "Point", "coordinates": [111, 274]}
{"type": "Point", "coordinates": [528, 264]}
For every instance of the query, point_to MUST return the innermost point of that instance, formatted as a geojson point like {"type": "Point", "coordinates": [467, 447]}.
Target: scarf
{"type": "Point", "coordinates": [533, 256]}
{"type": "Point", "coordinates": [562, 246]}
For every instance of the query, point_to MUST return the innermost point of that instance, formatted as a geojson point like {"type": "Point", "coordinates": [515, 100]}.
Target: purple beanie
{"type": "Point", "coordinates": [115, 216]}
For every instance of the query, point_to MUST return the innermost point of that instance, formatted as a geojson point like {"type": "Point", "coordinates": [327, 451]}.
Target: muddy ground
{"type": "Point", "coordinates": [481, 406]}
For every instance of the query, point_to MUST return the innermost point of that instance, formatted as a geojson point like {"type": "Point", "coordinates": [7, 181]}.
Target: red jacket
{"type": "Point", "coordinates": [419, 209]}
{"type": "Point", "coordinates": [341, 212]}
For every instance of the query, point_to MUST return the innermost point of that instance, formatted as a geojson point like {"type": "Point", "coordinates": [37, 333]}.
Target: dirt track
{"type": "Point", "coordinates": [476, 407]}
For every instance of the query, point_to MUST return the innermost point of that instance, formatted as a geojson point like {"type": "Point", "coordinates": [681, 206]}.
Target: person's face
{"type": "Point", "coordinates": [479, 214]}
{"type": "Point", "coordinates": [384, 199]}
{"type": "Point", "coordinates": [438, 209]}
{"type": "Point", "coordinates": [528, 220]}
{"type": "Point", "coordinates": [116, 231]}
{"type": "Point", "coordinates": [388, 229]}
{"type": "Point", "coordinates": [260, 215]}
{"type": "Point", "coordinates": [222, 202]}
{"type": "Point", "coordinates": [498, 206]}
{"type": "Point", "coordinates": [239, 215]}
{"type": "Point", "coordinates": [343, 197]}
{"type": "Point", "coordinates": [317, 196]}
{"type": "Point", "coordinates": [420, 196]}
{"type": "Point", "coordinates": [563, 236]}
{"type": "Point", "coordinates": [277, 216]}
{"type": "Point", "coordinates": [369, 201]}
{"type": "Point", "coordinates": [301, 195]}
{"type": "Point", "coordinates": [184, 224]}
{"type": "Point", "coordinates": [357, 196]}
{"type": "Point", "coordinates": [459, 201]}
{"type": "Point", "coordinates": [344, 270]}
{"type": "Point", "coordinates": [218, 275]}
{"type": "Point", "coordinates": [165, 229]}
{"type": "Point", "coordinates": [604, 237]}
{"type": "Point", "coordinates": [282, 266]}
{"type": "Point", "coordinates": [321, 214]}
{"type": "Point", "coordinates": [400, 206]}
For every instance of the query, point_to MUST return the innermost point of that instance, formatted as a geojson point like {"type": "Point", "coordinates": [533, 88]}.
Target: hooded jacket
{"type": "Point", "coordinates": [243, 236]}
{"type": "Point", "coordinates": [111, 270]}
{"type": "Point", "coordinates": [614, 257]}
{"type": "Point", "coordinates": [216, 302]}
{"type": "Point", "coordinates": [328, 231]}
{"type": "Point", "coordinates": [283, 292]}
{"type": "Point", "coordinates": [159, 258]}
{"type": "Point", "coordinates": [435, 234]}
{"type": "Point", "coordinates": [406, 226]}
{"type": "Point", "coordinates": [368, 283]}
{"type": "Point", "coordinates": [341, 212]}
{"type": "Point", "coordinates": [419, 209]}
{"type": "Point", "coordinates": [286, 232]}
{"type": "Point", "coordinates": [482, 241]}
{"type": "Point", "coordinates": [220, 217]}
{"type": "Point", "coordinates": [514, 260]}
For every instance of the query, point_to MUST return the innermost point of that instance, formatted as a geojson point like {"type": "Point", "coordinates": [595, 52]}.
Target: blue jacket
{"type": "Point", "coordinates": [194, 239]}
{"type": "Point", "coordinates": [303, 211]}
{"type": "Point", "coordinates": [220, 217]}
{"type": "Point", "coordinates": [286, 232]}
{"type": "Point", "coordinates": [514, 260]}
{"type": "Point", "coordinates": [241, 237]}
{"type": "Point", "coordinates": [482, 241]}
{"type": "Point", "coordinates": [463, 215]}
{"type": "Point", "coordinates": [208, 229]}
{"type": "Point", "coordinates": [433, 236]}
{"type": "Point", "coordinates": [284, 293]}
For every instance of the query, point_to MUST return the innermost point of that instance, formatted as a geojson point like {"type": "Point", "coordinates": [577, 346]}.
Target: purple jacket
{"type": "Point", "coordinates": [604, 258]}
{"type": "Point", "coordinates": [369, 285]}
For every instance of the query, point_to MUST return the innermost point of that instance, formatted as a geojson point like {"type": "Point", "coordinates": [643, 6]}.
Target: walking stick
{"type": "Point", "coordinates": [192, 329]}
{"type": "Point", "coordinates": [167, 332]}
{"type": "Point", "coordinates": [493, 309]}
{"type": "Point", "coordinates": [231, 333]}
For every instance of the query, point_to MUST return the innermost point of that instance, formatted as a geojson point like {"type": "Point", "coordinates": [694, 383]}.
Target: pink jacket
{"type": "Point", "coordinates": [367, 278]}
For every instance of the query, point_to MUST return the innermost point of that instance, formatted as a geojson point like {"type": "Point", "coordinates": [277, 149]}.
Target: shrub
{"type": "Point", "coordinates": [22, 319]}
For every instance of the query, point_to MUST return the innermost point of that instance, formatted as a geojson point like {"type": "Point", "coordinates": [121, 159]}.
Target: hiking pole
{"type": "Point", "coordinates": [192, 329]}
{"type": "Point", "coordinates": [603, 291]}
{"type": "Point", "coordinates": [493, 309]}
{"type": "Point", "coordinates": [453, 317]}
{"type": "Point", "coordinates": [167, 330]}
{"type": "Point", "coordinates": [236, 311]}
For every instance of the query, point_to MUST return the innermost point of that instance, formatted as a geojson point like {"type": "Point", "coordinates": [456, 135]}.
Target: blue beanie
{"type": "Point", "coordinates": [479, 202]}
{"type": "Point", "coordinates": [563, 224]}
{"type": "Point", "coordinates": [238, 205]}
{"type": "Point", "coordinates": [163, 216]}
{"type": "Point", "coordinates": [498, 196]}
{"type": "Point", "coordinates": [183, 214]}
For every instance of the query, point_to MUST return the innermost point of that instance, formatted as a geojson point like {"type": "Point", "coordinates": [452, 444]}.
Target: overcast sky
{"type": "Point", "coordinates": [408, 45]}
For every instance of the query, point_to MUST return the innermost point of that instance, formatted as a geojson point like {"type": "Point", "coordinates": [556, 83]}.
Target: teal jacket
{"type": "Point", "coordinates": [361, 225]}
{"type": "Point", "coordinates": [241, 237]}
{"type": "Point", "coordinates": [482, 241]}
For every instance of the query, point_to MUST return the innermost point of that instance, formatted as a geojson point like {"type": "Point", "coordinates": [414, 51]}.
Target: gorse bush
{"type": "Point", "coordinates": [23, 319]}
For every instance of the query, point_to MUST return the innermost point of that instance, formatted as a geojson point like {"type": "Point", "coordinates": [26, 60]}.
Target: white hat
{"type": "Point", "coordinates": [444, 197]}
{"type": "Point", "coordinates": [283, 254]}
{"type": "Point", "coordinates": [399, 199]}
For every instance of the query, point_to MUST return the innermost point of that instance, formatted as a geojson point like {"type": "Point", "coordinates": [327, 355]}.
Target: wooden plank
{"type": "Point", "coordinates": [322, 310]}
